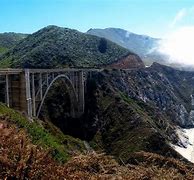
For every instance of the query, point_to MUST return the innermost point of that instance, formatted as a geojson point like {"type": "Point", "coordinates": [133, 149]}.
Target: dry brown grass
{"type": "Point", "coordinates": [20, 159]}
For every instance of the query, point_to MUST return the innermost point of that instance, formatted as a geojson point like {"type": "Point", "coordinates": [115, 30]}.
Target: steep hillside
{"type": "Point", "coordinates": [20, 158]}
{"type": "Point", "coordinates": [139, 44]}
{"type": "Point", "coordinates": [9, 40]}
{"type": "Point", "coordinates": [142, 45]}
{"type": "Point", "coordinates": [61, 47]}
{"type": "Point", "coordinates": [134, 110]}
{"type": "Point", "coordinates": [41, 133]}
{"type": "Point", "coordinates": [131, 61]}
{"type": "Point", "coordinates": [161, 86]}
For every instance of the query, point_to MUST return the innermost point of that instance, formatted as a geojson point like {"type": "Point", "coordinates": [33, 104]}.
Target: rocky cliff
{"type": "Point", "coordinates": [134, 110]}
{"type": "Point", "coordinates": [131, 61]}
{"type": "Point", "coordinates": [169, 90]}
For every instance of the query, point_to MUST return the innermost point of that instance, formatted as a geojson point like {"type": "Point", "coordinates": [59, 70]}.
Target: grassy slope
{"type": "Point", "coordinates": [61, 145]}
{"type": "Point", "coordinates": [20, 159]}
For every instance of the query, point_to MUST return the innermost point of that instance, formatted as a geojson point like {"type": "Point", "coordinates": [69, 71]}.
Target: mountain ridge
{"type": "Point", "coordinates": [143, 45]}
{"type": "Point", "coordinates": [55, 46]}
{"type": "Point", "coordinates": [123, 37]}
{"type": "Point", "coordinates": [9, 40]}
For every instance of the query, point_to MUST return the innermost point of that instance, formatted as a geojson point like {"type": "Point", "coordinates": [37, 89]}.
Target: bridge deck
{"type": "Point", "coordinates": [10, 71]}
{"type": "Point", "coordinates": [17, 71]}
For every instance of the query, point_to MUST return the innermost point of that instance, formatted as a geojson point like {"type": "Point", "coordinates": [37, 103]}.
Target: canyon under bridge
{"type": "Point", "coordinates": [26, 89]}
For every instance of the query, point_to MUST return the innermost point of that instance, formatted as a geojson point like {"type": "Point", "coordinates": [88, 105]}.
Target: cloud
{"type": "Point", "coordinates": [182, 13]}
{"type": "Point", "coordinates": [178, 45]}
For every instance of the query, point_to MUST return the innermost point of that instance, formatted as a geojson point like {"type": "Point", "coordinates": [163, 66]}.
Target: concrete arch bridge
{"type": "Point", "coordinates": [26, 89]}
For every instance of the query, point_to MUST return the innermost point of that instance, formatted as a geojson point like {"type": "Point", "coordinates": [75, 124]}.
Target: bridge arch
{"type": "Point", "coordinates": [71, 91]}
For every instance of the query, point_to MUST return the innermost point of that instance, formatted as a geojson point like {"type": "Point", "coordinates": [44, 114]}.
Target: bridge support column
{"type": "Point", "coordinates": [40, 85]}
{"type": "Point", "coordinates": [28, 93]}
{"type": "Point", "coordinates": [21, 93]}
{"type": "Point", "coordinates": [18, 93]}
{"type": "Point", "coordinates": [7, 89]}
{"type": "Point", "coordinates": [80, 87]}
{"type": "Point", "coordinates": [14, 86]}
{"type": "Point", "coordinates": [77, 79]}
{"type": "Point", "coordinates": [33, 96]}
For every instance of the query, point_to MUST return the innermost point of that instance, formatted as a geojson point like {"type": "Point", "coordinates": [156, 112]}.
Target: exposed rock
{"type": "Point", "coordinates": [163, 87]}
{"type": "Point", "coordinates": [191, 117]}
{"type": "Point", "coordinates": [128, 62]}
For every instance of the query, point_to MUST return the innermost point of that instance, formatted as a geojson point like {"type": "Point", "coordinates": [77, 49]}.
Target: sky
{"type": "Point", "coordinates": [171, 20]}
{"type": "Point", "coordinates": [155, 18]}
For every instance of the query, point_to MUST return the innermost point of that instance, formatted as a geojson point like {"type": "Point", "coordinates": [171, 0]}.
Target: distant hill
{"type": "Point", "coordinates": [54, 46]}
{"type": "Point", "coordinates": [142, 45]}
{"type": "Point", "coordinates": [8, 40]}
{"type": "Point", "coordinates": [139, 44]}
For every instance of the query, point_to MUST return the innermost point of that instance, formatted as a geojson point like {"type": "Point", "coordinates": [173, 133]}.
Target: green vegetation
{"type": "Point", "coordinates": [61, 47]}
{"type": "Point", "coordinates": [3, 50]}
{"type": "Point", "coordinates": [9, 40]}
{"type": "Point", "coordinates": [128, 128]}
{"type": "Point", "coordinates": [5, 63]}
{"type": "Point", "coordinates": [59, 144]}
